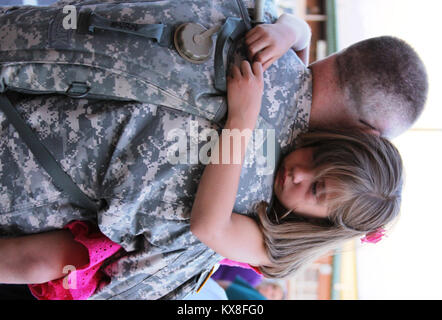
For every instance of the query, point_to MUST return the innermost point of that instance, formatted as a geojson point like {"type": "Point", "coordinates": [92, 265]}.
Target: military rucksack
{"type": "Point", "coordinates": [125, 50]}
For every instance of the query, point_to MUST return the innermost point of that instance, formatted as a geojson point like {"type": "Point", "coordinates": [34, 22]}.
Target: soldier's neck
{"type": "Point", "coordinates": [326, 94]}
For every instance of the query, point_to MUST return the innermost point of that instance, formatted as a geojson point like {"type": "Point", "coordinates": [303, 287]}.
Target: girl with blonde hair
{"type": "Point", "coordinates": [358, 175]}
{"type": "Point", "coordinates": [335, 186]}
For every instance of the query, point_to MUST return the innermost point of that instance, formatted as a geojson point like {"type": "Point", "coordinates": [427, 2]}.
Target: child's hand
{"type": "Point", "coordinates": [244, 93]}
{"type": "Point", "coordinates": [268, 42]}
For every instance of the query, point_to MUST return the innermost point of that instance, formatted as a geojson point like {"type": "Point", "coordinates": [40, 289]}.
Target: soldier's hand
{"type": "Point", "coordinates": [245, 87]}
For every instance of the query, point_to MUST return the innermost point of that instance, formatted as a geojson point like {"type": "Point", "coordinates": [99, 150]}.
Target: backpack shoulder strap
{"type": "Point", "coordinates": [62, 180]}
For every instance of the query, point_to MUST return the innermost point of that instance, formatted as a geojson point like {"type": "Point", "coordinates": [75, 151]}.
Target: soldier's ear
{"type": "Point", "coordinates": [365, 127]}
{"type": "Point", "coordinates": [372, 131]}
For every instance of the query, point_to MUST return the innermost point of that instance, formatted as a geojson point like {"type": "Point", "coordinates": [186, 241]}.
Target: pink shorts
{"type": "Point", "coordinates": [80, 283]}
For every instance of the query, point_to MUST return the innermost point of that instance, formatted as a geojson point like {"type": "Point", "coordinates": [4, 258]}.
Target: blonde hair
{"type": "Point", "coordinates": [366, 172]}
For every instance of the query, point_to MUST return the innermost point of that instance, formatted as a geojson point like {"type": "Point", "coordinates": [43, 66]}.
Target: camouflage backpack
{"type": "Point", "coordinates": [121, 50]}
{"type": "Point", "coordinates": [124, 50]}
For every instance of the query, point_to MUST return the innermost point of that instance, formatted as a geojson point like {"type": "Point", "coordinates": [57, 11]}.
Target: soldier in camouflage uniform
{"type": "Point", "coordinates": [122, 154]}
{"type": "Point", "coordinates": [119, 151]}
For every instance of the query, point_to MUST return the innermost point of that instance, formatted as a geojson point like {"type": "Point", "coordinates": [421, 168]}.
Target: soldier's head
{"type": "Point", "coordinates": [378, 85]}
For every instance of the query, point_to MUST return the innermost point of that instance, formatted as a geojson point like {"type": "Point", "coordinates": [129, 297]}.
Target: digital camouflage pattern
{"type": "Point", "coordinates": [39, 54]}
{"type": "Point", "coordinates": [119, 151]}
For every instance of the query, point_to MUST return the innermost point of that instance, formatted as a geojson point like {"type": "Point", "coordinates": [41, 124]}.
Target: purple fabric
{"type": "Point", "coordinates": [229, 273]}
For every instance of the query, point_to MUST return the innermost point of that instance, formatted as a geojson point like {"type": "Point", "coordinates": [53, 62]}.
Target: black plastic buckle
{"type": "Point", "coordinates": [78, 90]}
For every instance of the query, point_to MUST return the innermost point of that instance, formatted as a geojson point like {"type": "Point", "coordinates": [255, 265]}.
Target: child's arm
{"type": "Point", "coordinates": [234, 236]}
{"type": "Point", "coordinates": [39, 258]}
{"type": "Point", "coordinates": [268, 42]}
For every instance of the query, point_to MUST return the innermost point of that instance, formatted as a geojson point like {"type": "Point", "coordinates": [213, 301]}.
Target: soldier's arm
{"type": "Point", "coordinates": [268, 42]}
{"type": "Point", "coordinates": [232, 235]}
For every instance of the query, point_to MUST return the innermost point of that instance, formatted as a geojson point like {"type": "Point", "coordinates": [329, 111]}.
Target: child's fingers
{"type": "Point", "coordinates": [267, 64]}
{"type": "Point", "coordinates": [235, 72]}
{"type": "Point", "coordinates": [252, 36]}
{"type": "Point", "coordinates": [264, 55]}
{"type": "Point", "coordinates": [257, 69]}
{"type": "Point", "coordinates": [246, 70]}
{"type": "Point", "coordinates": [257, 46]}
{"type": "Point", "coordinates": [254, 31]}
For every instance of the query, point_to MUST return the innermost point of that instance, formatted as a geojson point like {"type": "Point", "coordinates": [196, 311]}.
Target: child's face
{"type": "Point", "coordinates": [295, 187]}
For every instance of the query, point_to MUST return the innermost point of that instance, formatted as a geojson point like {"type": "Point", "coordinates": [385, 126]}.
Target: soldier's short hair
{"type": "Point", "coordinates": [383, 75]}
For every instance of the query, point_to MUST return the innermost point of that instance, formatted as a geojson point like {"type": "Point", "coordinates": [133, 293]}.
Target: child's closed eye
{"type": "Point", "coordinates": [315, 188]}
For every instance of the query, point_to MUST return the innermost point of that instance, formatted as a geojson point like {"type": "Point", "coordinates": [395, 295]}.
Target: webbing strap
{"type": "Point", "coordinates": [232, 28]}
{"type": "Point", "coordinates": [62, 180]}
{"type": "Point", "coordinates": [244, 14]}
{"type": "Point", "coordinates": [89, 22]}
